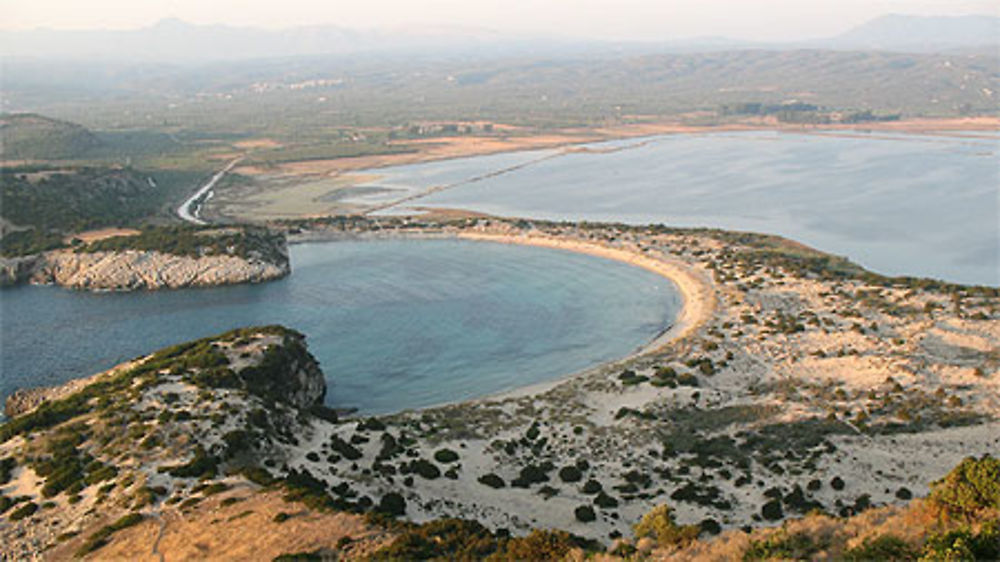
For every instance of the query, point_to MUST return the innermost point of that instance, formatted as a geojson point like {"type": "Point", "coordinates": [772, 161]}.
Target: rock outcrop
{"type": "Point", "coordinates": [284, 372]}
{"type": "Point", "coordinates": [131, 270]}
{"type": "Point", "coordinates": [261, 257]}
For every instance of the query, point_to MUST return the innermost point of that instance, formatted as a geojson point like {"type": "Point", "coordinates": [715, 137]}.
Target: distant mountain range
{"type": "Point", "coordinates": [177, 41]}
{"type": "Point", "coordinates": [912, 33]}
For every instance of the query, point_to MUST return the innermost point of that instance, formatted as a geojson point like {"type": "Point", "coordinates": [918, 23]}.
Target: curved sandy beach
{"type": "Point", "coordinates": [695, 289]}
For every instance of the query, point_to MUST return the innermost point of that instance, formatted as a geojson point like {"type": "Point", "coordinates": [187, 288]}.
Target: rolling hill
{"type": "Point", "coordinates": [29, 136]}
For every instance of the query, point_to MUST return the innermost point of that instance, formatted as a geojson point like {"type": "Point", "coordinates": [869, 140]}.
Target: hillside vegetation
{"type": "Point", "coordinates": [44, 203]}
{"type": "Point", "coordinates": [304, 97]}
{"type": "Point", "coordinates": [78, 198]}
{"type": "Point", "coordinates": [243, 242]}
{"type": "Point", "coordinates": [28, 136]}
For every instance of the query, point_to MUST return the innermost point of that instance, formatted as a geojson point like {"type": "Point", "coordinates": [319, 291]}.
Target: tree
{"type": "Point", "coordinates": [970, 487]}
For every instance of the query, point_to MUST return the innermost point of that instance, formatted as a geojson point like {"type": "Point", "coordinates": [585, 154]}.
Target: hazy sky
{"type": "Point", "coordinates": [609, 19]}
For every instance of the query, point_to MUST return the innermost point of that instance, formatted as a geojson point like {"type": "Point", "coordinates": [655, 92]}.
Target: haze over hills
{"type": "Point", "coordinates": [174, 40]}
{"type": "Point", "coordinates": [308, 93]}
{"type": "Point", "coordinates": [922, 34]}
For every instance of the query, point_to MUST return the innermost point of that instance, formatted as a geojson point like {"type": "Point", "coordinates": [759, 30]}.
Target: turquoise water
{"type": "Point", "coordinates": [898, 204]}
{"type": "Point", "coordinates": [395, 324]}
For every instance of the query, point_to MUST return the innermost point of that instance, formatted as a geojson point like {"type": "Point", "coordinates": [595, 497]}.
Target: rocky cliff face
{"type": "Point", "coordinates": [284, 371]}
{"type": "Point", "coordinates": [131, 270]}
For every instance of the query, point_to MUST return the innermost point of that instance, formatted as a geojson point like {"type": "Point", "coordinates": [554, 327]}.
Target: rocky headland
{"type": "Point", "coordinates": [211, 258]}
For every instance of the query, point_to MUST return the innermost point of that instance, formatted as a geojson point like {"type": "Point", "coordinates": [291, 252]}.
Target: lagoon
{"type": "Point", "coordinates": [898, 204]}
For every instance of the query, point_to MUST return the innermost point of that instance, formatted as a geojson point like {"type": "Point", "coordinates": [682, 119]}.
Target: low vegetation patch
{"type": "Point", "coordinates": [102, 536]}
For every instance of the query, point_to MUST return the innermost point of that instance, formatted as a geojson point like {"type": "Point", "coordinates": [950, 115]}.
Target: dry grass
{"type": "Point", "coordinates": [95, 235]}
{"type": "Point", "coordinates": [245, 530]}
{"type": "Point", "coordinates": [911, 523]}
{"type": "Point", "coordinates": [257, 143]}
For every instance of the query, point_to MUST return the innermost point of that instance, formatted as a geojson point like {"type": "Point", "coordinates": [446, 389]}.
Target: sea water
{"type": "Point", "coordinates": [394, 324]}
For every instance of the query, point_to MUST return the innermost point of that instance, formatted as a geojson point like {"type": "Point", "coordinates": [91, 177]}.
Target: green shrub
{"type": "Point", "coordinates": [781, 545]}
{"type": "Point", "coordinates": [570, 474]}
{"type": "Point", "coordinates": [710, 526]}
{"type": "Point", "coordinates": [258, 476]}
{"type": "Point", "coordinates": [970, 488]}
{"type": "Point", "coordinates": [345, 449]}
{"type": "Point", "coordinates": [584, 514]}
{"type": "Point", "coordinates": [445, 456]}
{"type": "Point", "coordinates": [492, 480]}
{"type": "Point", "coordinates": [202, 465]}
{"type": "Point", "coordinates": [392, 504]}
{"type": "Point", "coordinates": [370, 424]}
{"type": "Point", "coordinates": [100, 538]}
{"type": "Point", "coordinates": [963, 544]}
{"type": "Point", "coordinates": [659, 525]}
{"type": "Point", "coordinates": [541, 545]}
{"type": "Point", "coordinates": [531, 474]}
{"type": "Point", "coordinates": [6, 469]}
{"type": "Point", "coordinates": [26, 510]}
{"type": "Point", "coordinates": [424, 468]}
{"type": "Point", "coordinates": [449, 539]}
{"type": "Point", "coordinates": [771, 511]}
{"type": "Point", "coordinates": [886, 548]}
{"type": "Point", "coordinates": [687, 379]}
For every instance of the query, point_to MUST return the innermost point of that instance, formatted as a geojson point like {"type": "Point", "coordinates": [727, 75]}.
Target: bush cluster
{"type": "Point", "coordinates": [970, 488]}
{"type": "Point", "coordinates": [659, 525]}
{"type": "Point", "coordinates": [100, 538]}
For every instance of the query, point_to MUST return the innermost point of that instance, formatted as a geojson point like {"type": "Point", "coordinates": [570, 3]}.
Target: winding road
{"type": "Point", "coordinates": [189, 209]}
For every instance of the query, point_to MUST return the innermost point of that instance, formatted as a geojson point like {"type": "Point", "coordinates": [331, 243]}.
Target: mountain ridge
{"type": "Point", "coordinates": [172, 39]}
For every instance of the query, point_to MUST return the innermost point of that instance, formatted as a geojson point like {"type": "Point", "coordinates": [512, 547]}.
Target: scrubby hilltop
{"type": "Point", "coordinates": [152, 430]}
{"type": "Point", "coordinates": [66, 199]}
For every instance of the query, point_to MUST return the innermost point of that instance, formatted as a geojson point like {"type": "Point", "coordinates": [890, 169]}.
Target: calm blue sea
{"type": "Point", "coordinates": [395, 324]}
